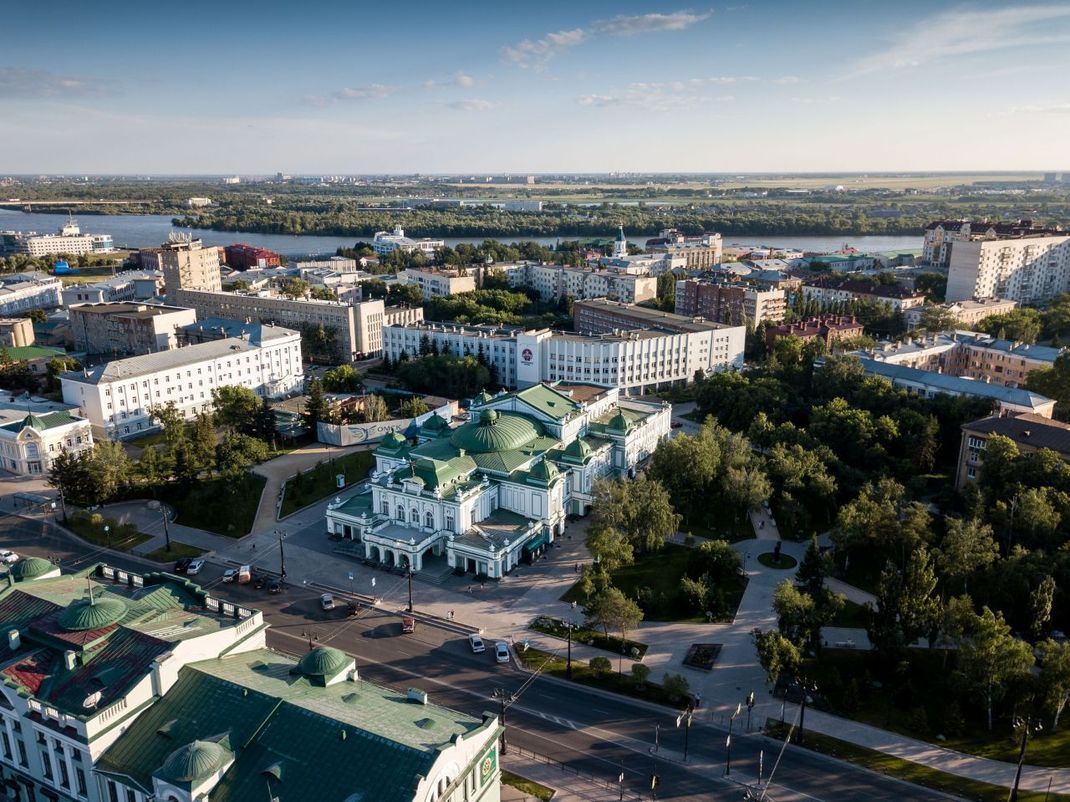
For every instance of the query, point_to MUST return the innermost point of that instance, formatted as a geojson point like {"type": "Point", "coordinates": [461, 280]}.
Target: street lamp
{"type": "Point", "coordinates": [282, 555]}
{"type": "Point", "coordinates": [728, 742]}
{"type": "Point", "coordinates": [410, 573]}
{"type": "Point", "coordinates": [166, 530]}
{"type": "Point", "coordinates": [568, 663]}
{"type": "Point", "coordinates": [685, 719]}
{"type": "Point", "coordinates": [1027, 726]}
{"type": "Point", "coordinates": [750, 707]}
{"type": "Point", "coordinates": [503, 696]}
{"type": "Point", "coordinates": [107, 535]}
{"type": "Point", "coordinates": [808, 687]}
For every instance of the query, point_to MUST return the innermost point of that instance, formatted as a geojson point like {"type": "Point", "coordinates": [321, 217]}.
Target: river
{"type": "Point", "coordinates": [146, 230]}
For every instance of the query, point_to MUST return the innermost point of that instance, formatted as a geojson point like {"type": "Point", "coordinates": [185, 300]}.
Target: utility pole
{"type": "Point", "coordinates": [282, 555]}
{"type": "Point", "coordinates": [166, 530]}
{"type": "Point", "coordinates": [685, 719]}
{"type": "Point", "coordinates": [410, 605]}
{"type": "Point", "coordinates": [502, 696]}
{"type": "Point", "coordinates": [568, 664]}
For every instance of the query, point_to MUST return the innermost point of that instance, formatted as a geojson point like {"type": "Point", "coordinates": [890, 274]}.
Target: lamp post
{"type": "Point", "coordinates": [728, 742]}
{"type": "Point", "coordinates": [63, 505]}
{"type": "Point", "coordinates": [107, 535]}
{"type": "Point", "coordinates": [282, 554]}
{"type": "Point", "coordinates": [750, 707]}
{"type": "Point", "coordinates": [685, 719]}
{"type": "Point", "coordinates": [166, 529]}
{"type": "Point", "coordinates": [410, 573]}
{"type": "Point", "coordinates": [568, 663]}
{"type": "Point", "coordinates": [807, 687]}
{"type": "Point", "coordinates": [1027, 726]}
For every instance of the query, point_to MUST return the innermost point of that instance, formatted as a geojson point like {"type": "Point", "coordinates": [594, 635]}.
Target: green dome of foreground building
{"type": "Point", "coordinates": [323, 665]}
{"type": "Point", "coordinates": [194, 763]}
{"type": "Point", "coordinates": [496, 431]}
{"type": "Point", "coordinates": [31, 568]}
{"type": "Point", "coordinates": [86, 615]}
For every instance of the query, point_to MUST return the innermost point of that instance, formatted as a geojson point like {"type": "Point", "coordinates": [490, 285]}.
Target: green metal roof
{"type": "Point", "coordinates": [395, 441]}
{"type": "Point", "coordinates": [496, 431]}
{"type": "Point", "coordinates": [92, 614]}
{"type": "Point", "coordinates": [543, 473]}
{"type": "Point", "coordinates": [194, 763]}
{"type": "Point", "coordinates": [547, 400]}
{"type": "Point", "coordinates": [31, 568]}
{"type": "Point", "coordinates": [322, 663]}
{"type": "Point", "coordinates": [47, 420]}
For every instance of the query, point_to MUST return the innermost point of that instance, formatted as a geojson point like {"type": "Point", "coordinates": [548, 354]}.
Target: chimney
{"type": "Point", "coordinates": [14, 640]}
{"type": "Point", "coordinates": [70, 659]}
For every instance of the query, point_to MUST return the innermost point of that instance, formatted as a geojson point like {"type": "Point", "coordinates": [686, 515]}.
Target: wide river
{"type": "Point", "coordinates": [145, 230]}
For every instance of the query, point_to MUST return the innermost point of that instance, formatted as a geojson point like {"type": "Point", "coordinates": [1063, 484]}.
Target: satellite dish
{"type": "Point", "coordinates": [92, 700]}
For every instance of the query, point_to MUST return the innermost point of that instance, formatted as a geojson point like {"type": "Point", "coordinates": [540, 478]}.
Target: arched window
{"type": "Point", "coordinates": [449, 521]}
{"type": "Point", "coordinates": [414, 516]}
{"type": "Point", "coordinates": [386, 507]}
{"type": "Point", "coordinates": [401, 513]}
{"type": "Point", "coordinates": [429, 520]}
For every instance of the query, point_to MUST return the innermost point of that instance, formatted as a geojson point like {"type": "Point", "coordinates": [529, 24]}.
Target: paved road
{"type": "Point", "coordinates": [588, 732]}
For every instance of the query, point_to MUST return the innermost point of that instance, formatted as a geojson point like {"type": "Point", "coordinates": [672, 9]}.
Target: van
{"type": "Point", "coordinates": [245, 575]}
{"type": "Point", "coordinates": [408, 625]}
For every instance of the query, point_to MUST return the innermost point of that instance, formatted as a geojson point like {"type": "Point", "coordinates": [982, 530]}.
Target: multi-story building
{"type": "Point", "coordinates": [70, 241]}
{"type": "Point", "coordinates": [22, 292]}
{"type": "Point", "coordinates": [492, 492]}
{"type": "Point", "coordinates": [357, 328]}
{"type": "Point", "coordinates": [1027, 431]}
{"type": "Point", "coordinates": [116, 396]}
{"type": "Point", "coordinates": [931, 383]}
{"type": "Point", "coordinates": [188, 265]}
{"type": "Point", "coordinates": [242, 257]}
{"type": "Point", "coordinates": [387, 242]}
{"type": "Point", "coordinates": [1028, 269]}
{"type": "Point", "coordinates": [126, 286]}
{"type": "Point", "coordinates": [34, 432]}
{"type": "Point", "coordinates": [437, 281]}
{"type": "Point", "coordinates": [16, 332]}
{"type": "Point", "coordinates": [829, 329]}
{"type": "Point", "coordinates": [85, 656]}
{"type": "Point", "coordinates": [602, 316]}
{"type": "Point", "coordinates": [941, 236]}
{"type": "Point", "coordinates": [968, 354]}
{"type": "Point", "coordinates": [261, 721]}
{"type": "Point", "coordinates": [700, 253]}
{"type": "Point", "coordinates": [833, 290]}
{"type": "Point", "coordinates": [126, 329]}
{"type": "Point", "coordinates": [635, 361]}
{"type": "Point", "coordinates": [339, 264]}
{"type": "Point", "coordinates": [967, 313]}
{"type": "Point", "coordinates": [735, 304]}
{"type": "Point", "coordinates": [554, 282]}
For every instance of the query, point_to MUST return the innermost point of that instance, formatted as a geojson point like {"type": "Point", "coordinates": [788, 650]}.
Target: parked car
{"type": "Point", "coordinates": [195, 567]}
{"type": "Point", "coordinates": [501, 652]}
{"type": "Point", "coordinates": [476, 643]}
{"type": "Point", "coordinates": [353, 608]}
{"type": "Point", "coordinates": [230, 574]}
{"type": "Point", "coordinates": [327, 601]}
{"type": "Point", "coordinates": [8, 557]}
{"type": "Point", "coordinates": [260, 581]}
{"type": "Point", "coordinates": [408, 625]}
{"type": "Point", "coordinates": [245, 574]}
{"type": "Point", "coordinates": [182, 565]}
{"type": "Point", "coordinates": [275, 586]}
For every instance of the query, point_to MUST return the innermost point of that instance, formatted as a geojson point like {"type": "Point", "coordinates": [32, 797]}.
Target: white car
{"type": "Point", "coordinates": [501, 652]}
{"type": "Point", "coordinates": [230, 574]}
{"type": "Point", "coordinates": [195, 567]}
{"type": "Point", "coordinates": [327, 601]}
{"type": "Point", "coordinates": [476, 643]}
{"type": "Point", "coordinates": [8, 557]}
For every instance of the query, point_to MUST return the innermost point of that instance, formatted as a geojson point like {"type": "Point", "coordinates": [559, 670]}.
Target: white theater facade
{"type": "Point", "coordinates": [496, 490]}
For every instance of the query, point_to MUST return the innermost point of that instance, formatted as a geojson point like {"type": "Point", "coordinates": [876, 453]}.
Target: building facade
{"type": "Point", "coordinates": [16, 332]}
{"type": "Point", "coordinates": [116, 396]}
{"type": "Point", "coordinates": [701, 252]}
{"type": "Point", "coordinates": [941, 236]}
{"type": "Point", "coordinates": [491, 493]}
{"type": "Point", "coordinates": [188, 265]}
{"type": "Point", "coordinates": [127, 286]}
{"type": "Point", "coordinates": [1028, 432]}
{"type": "Point", "coordinates": [29, 444]}
{"type": "Point", "coordinates": [1028, 269]}
{"type": "Point", "coordinates": [828, 291]}
{"type": "Point", "coordinates": [434, 281]}
{"type": "Point", "coordinates": [389, 241]}
{"type": "Point", "coordinates": [127, 329]}
{"type": "Point", "coordinates": [555, 282]}
{"type": "Point", "coordinates": [830, 329]}
{"type": "Point", "coordinates": [967, 313]}
{"type": "Point", "coordinates": [735, 305]}
{"type": "Point", "coordinates": [69, 241]}
{"type": "Point", "coordinates": [242, 257]}
{"type": "Point", "coordinates": [25, 291]}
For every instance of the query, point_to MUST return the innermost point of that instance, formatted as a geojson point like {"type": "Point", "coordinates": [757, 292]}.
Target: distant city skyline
{"type": "Point", "coordinates": [485, 87]}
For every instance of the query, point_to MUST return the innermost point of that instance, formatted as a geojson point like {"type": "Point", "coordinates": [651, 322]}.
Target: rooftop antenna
{"type": "Point", "coordinates": [89, 584]}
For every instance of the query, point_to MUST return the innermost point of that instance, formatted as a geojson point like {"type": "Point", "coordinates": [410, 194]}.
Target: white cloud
{"type": "Point", "coordinates": [788, 80]}
{"type": "Point", "coordinates": [651, 97]}
{"type": "Point", "coordinates": [966, 31]}
{"type": "Point", "coordinates": [810, 100]}
{"type": "Point", "coordinates": [1053, 108]}
{"type": "Point", "coordinates": [537, 53]}
{"type": "Point", "coordinates": [19, 83]}
{"type": "Point", "coordinates": [457, 80]}
{"type": "Point", "coordinates": [368, 92]}
{"type": "Point", "coordinates": [472, 104]}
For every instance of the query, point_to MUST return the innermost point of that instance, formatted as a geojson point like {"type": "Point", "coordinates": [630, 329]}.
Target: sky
{"type": "Point", "coordinates": [533, 87]}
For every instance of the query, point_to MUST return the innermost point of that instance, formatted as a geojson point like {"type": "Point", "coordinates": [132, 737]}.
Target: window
{"type": "Point", "coordinates": [414, 515]}
{"type": "Point", "coordinates": [79, 780]}
{"type": "Point", "coordinates": [64, 774]}
{"type": "Point", "coordinates": [113, 792]}
{"type": "Point", "coordinates": [429, 519]}
{"type": "Point", "coordinates": [400, 513]}
{"type": "Point", "coordinates": [21, 749]}
{"type": "Point", "coordinates": [46, 764]}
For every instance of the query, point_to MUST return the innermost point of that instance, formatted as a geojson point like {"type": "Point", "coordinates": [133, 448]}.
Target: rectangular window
{"type": "Point", "coordinates": [23, 759]}
{"type": "Point", "coordinates": [113, 792]}
{"type": "Point", "coordinates": [46, 764]}
{"type": "Point", "coordinates": [64, 775]}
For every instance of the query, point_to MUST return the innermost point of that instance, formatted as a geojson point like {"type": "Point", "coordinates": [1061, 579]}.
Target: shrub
{"type": "Point", "coordinates": [600, 665]}
{"type": "Point", "coordinates": [640, 674]}
{"type": "Point", "coordinates": [676, 686]}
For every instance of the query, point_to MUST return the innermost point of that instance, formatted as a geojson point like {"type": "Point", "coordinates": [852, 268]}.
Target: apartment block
{"type": "Point", "coordinates": [554, 282]}
{"type": "Point", "coordinates": [835, 290]}
{"type": "Point", "coordinates": [22, 292]}
{"type": "Point", "coordinates": [242, 257]}
{"type": "Point", "coordinates": [127, 329]}
{"type": "Point", "coordinates": [941, 236]}
{"type": "Point", "coordinates": [188, 265]}
{"type": "Point", "coordinates": [1030, 269]}
{"type": "Point", "coordinates": [116, 396]}
{"type": "Point", "coordinates": [967, 313]}
{"type": "Point", "coordinates": [1027, 431]}
{"type": "Point", "coordinates": [435, 282]}
{"type": "Point", "coordinates": [734, 304]}
{"type": "Point", "coordinates": [827, 328]}
{"type": "Point", "coordinates": [701, 252]}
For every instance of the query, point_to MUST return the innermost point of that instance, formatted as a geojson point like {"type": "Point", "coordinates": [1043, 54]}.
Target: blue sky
{"type": "Point", "coordinates": [348, 87]}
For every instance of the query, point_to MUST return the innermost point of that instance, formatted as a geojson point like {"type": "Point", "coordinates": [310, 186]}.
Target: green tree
{"type": "Point", "coordinates": [967, 548]}
{"type": "Point", "coordinates": [343, 379]}
{"type": "Point", "coordinates": [1022, 325]}
{"type": "Point", "coordinates": [991, 658]}
{"type": "Point", "coordinates": [1055, 676]}
{"type": "Point", "coordinates": [797, 614]}
{"type": "Point", "coordinates": [676, 686]}
{"type": "Point", "coordinates": [202, 441]}
{"type": "Point", "coordinates": [109, 469]}
{"type": "Point", "coordinates": [293, 287]}
{"type": "Point", "coordinates": [687, 466]}
{"type": "Point", "coordinates": [413, 407]}
{"type": "Point", "coordinates": [315, 405]}
{"type": "Point", "coordinates": [171, 421]}
{"type": "Point", "coordinates": [1040, 602]}
{"type": "Point", "coordinates": [938, 318]}
{"type": "Point", "coordinates": [640, 509]}
{"type": "Point", "coordinates": [375, 409]}
{"type": "Point", "coordinates": [777, 655]}
{"type": "Point", "coordinates": [70, 474]}
{"type": "Point", "coordinates": [640, 674]}
{"type": "Point", "coordinates": [610, 546]}
{"type": "Point", "coordinates": [611, 609]}
{"type": "Point", "coordinates": [600, 665]}
{"type": "Point", "coordinates": [263, 425]}
{"type": "Point", "coordinates": [237, 453]}
{"type": "Point", "coordinates": [695, 591]}
{"type": "Point", "coordinates": [235, 407]}
{"type": "Point", "coordinates": [813, 569]}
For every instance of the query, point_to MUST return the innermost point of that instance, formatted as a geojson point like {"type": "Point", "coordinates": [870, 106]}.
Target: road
{"type": "Point", "coordinates": [589, 732]}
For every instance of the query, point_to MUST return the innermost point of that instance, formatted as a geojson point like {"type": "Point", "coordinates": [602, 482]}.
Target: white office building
{"type": "Point", "coordinates": [554, 282]}
{"type": "Point", "coordinates": [33, 432]}
{"type": "Point", "coordinates": [116, 396]}
{"type": "Point", "coordinates": [69, 241]}
{"type": "Point", "coordinates": [434, 282]}
{"type": "Point", "coordinates": [389, 241]}
{"type": "Point", "coordinates": [22, 292]}
{"type": "Point", "coordinates": [1029, 269]}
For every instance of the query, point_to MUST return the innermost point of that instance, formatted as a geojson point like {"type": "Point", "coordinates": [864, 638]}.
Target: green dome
{"type": "Point", "coordinates": [578, 449]}
{"type": "Point", "coordinates": [495, 431]}
{"type": "Point", "coordinates": [483, 398]}
{"type": "Point", "coordinates": [619, 422]}
{"type": "Point", "coordinates": [435, 423]}
{"type": "Point", "coordinates": [81, 615]}
{"type": "Point", "coordinates": [194, 763]}
{"type": "Point", "coordinates": [323, 662]}
{"type": "Point", "coordinates": [394, 440]}
{"type": "Point", "coordinates": [31, 568]}
{"type": "Point", "coordinates": [544, 472]}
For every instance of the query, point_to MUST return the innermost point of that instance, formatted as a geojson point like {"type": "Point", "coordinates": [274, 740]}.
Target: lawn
{"type": "Point", "coordinates": [555, 664]}
{"type": "Point", "coordinates": [654, 579]}
{"type": "Point", "coordinates": [905, 770]}
{"type": "Point", "coordinates": [146, 440]}
{"type": "Point", "coordinates": [216, 505]}
{"type": "Point", "coordinates": [852, 615]}
{"type": "Point", "coordinates": [770, 560]}
{"type": "Point", "coordinates": [529, 787]}
{"type": "Point", "coordinates": [90, 526]}
{"type": "Point", "coordinates": [312, 486]}
{"type": "Point", "coordinates": [176, 552]}
{"type": "Point", "coordinates": [589, 637]}
{"type": "Point", "coordinates": [728, 527]}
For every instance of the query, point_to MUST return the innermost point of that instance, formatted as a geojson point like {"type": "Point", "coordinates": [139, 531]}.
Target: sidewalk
{"type": "Point", "coordinates": [569, 786]}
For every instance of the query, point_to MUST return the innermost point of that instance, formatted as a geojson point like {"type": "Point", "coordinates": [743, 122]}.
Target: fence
{"type": "Point", "coordinates": [609, 784]}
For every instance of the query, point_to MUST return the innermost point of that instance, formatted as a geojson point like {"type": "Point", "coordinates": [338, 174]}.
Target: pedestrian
{"type": "Point", "coordinates": [469, 588]}
{"type": "Point", "coordinates": [573, 605]}
{"type": "Point", "coordinates": [577, 568]}
{"type": "Point", "coordinates": [481, 585]}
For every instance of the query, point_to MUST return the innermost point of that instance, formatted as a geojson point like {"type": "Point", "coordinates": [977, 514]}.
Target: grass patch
{"type": "Point", "coordinates": [589, 637]}
{"type": "Point", "coordinates": [151, 439]}
{"type": "Point", "coordinates": [314, 485]}
{"type": "Point", "coordinates": [769, 560]}
{"type": "Point", "coordinates": [905, 770]}
{"type": "Point", "coordinates": [729, 528]}
{"type": "Point", "coordinates": [90, 526]}
{"type": "Point", "coordinates": [529, 787]}
{"type": "Point", "coordinates": [854, 615]}
{"type": "Point", "coordinates": [654, 580]}
{"type": "Point", "coordinates": [554, 665]}
{"type": "Point", "coordinates": [176, 552]}
{"type": "Point", "coordinates": [217, 505]}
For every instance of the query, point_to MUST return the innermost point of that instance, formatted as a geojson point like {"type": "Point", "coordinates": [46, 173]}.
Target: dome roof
{"type": "Point", "coordinates": [483, 398]}
{"type": "Point", "coordinates": [394, 440]}
{"type": "Point", "coordinates": [194, 762]}
{"type": "Point", "coordinates": [83, 615]}
{"type": "Point", "coordinates": [544, 472]}
{"type": "Point", "coordinates": [323, 662]}
{"type": "Point", "coordinates": [434, 423]}
{"type": "Point", "coordinates": [578, 449]}
{"type": "Point", "coordinates": [619, 422]}
{"type": "Point", "coordinates": [31, 568]}
{"type": "Point", "coordinates": [495, 431]}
